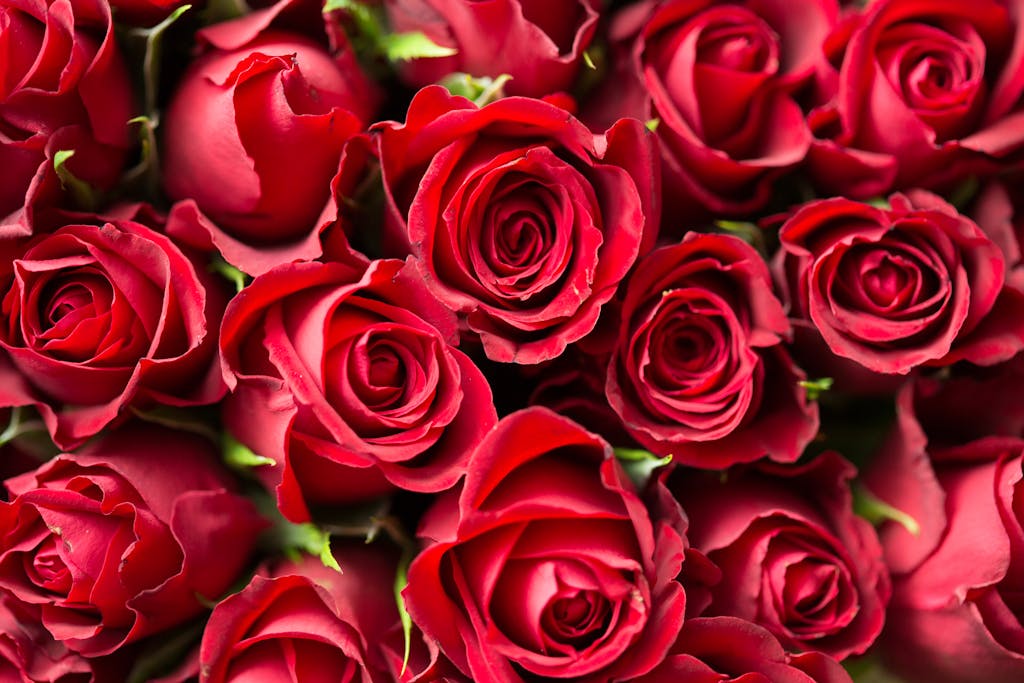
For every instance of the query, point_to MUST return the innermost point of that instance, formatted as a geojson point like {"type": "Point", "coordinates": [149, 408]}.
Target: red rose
{"type": "Point", "coordinates": [699, 371]}
{"type": "Point", "coordinates": [29, 653]}
{"type": "Point", "coordinates": [231, 130]}
{"type": "Point", "coordinates": [711, 649]}
{"type": "Point", "coordinates": [100, 318]}
{"type": "Point", "coordinates": [919, 93]}
{"type": "Point", "coordinates": [124, 538]}
{"type": "Point", "coordinates": [519, 218]}
{"type": "Point", "coordinates": [892, 289]}
{"type": "Point", "coordinates": [720, 78]}
{"type": "Point", "coordinates": [998, 209]}
{"type": "Point", "coordinates": [548, 564]}
{"type": "Point", "coordinates": [302, 621]}
{"type": "Point", "coordinates": [956, 612]}
{"type": "Point", "coordinates": [65, 89]}
{"type": "Point", "coordinates": [794, 557]}
{"type": "Point", "coordinates": [338, 378]}
{"type": "Point", "coordinates": [549, 38]}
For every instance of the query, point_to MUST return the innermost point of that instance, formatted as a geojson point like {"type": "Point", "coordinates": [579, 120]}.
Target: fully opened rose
{"type": "Point", "coordinates": [519, 218]}
{"type": "Point", "coordinates": [720, 79]}
{"type": "Point", "coordinates": [896, 288]}
{"type": "Point", "coordinates": [698, 370]}
{"type": "Point", "coordinates": [100, 317]}
{"type": "Point", "coordinates": [548, 563]}
{"type": "Point", "coordinates": [124, 538]}
{"type": "Point", "coordinates": [919, 94]}
{"type": "Point", "coordinates": [65, 89]}
{"type": "Point", "coordinates": [340, 377]}
{"type": "Point", "coordinates": [794, 557]}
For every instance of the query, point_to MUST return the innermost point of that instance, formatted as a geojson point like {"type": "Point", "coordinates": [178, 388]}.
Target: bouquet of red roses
{"type": "Point", "coordinates": [511, 341]}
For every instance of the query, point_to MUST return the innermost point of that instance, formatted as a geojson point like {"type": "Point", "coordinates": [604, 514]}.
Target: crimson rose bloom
{"type": "Point", "coordinates": [548, 564]}
{"type": "Point", "coordinates": [958, 580]}
{"type": "Point", "coordinates": [338, 378]}
{"type": "Point", "coordinates": [302, 621]}
{"type": "Point", "coordinates": [519, 218]}
{"type": "Point", "coordinates": [124, 538]}
{"type": "Point", "coordinates": [64, 88]}
{"type": "Point", "coordinates": [549, 36]}
{"type": "Point", "coordinates": [794, 557]}
{"type": "Point", "coordinates": [99, 318]}
{"type": "Point", "coordinates": [29, 653]}
{"type": "Point", "coordinates": [232, 128]}
{"type": "Point", "coordinates": [919, 93]}
{"type": "Point", "coordinates": [712, 648]}
{"type": "Point", "coordinates": [699, 371]}
{"type": "Point", "coordinates": [896, 288]}
{"type": "Point", "coordinates": [720, 78]}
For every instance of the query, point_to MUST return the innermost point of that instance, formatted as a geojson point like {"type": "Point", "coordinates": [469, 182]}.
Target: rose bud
{"type": "Point", "coordinates": [918, 94]}
{"type": "Point", "coordinates": [547, 564]}
{"type": "Point", "coordinates": [519, 218]}
{"type": "Point", "coordinates": [726, 648]}
{"type": "Point", "coordinates": [346, 380]}
{"type": "Point", "coordinates": [550, 40]}
{"type": "Point", "coordinates": [699, 371]}
{"type": "Point", "coordinates": [125, 538]}
{"type": "Point", "coordinates": [99, 319]}
{"type": "Point", "coordinates": [958, 572]}
{"type": "Point", "coordinates": [794, 557]}
{"type": "Point", "coordinates": [721, 81]}
{"type": "Point", "coordinates": [65, 89]}
{"type": "Point", "coordinates": [893, 289]}
{"type": "Point", "coordinates": [303, 621]}
{"type": "Point", "coordinates": [232, 129]}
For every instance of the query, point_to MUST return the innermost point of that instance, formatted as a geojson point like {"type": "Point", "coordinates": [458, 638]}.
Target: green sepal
{"type": "Point", "coordinates": [877, 511]}
{"type": "Point", "coordinates": [403, 47]}
{"type": "Point", "coordinates": [235, 276]}
{"type": "Point", "coordinates": [238, 456]}
{"type": "Point", "coordinates": [816, 387]}
{"type": "Point", "coordinates": [481, 91]}
{"type": "Point", "coordinates": [639, 464]}
{"type": "Point", "coordinates": [82, 193]}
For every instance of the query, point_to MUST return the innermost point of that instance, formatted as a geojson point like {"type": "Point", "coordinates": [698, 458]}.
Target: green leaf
{"type": "Point", "coordinates": [402, 47]}
{"type": "Point", "coordinates": [640, 464]}
{"type": "Point", "coordinates": [81, 192]}
{"type": "Point", "coordinates": [816, 387]}
{"type": "Point", "coordinates": [401, 581]}
{"type": "Point", "coordinates": [221, 267]}
{"type": "Point", "coordinates": [588, 60]}
{"type": "Point", "coordinates": [877, 511]}
{"type": "Point", "coordinates": [238, 456]}
{"type": "Point", "coordinates": [879, 203]}
{"type": "Point", "coordinates": [652, 124]}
